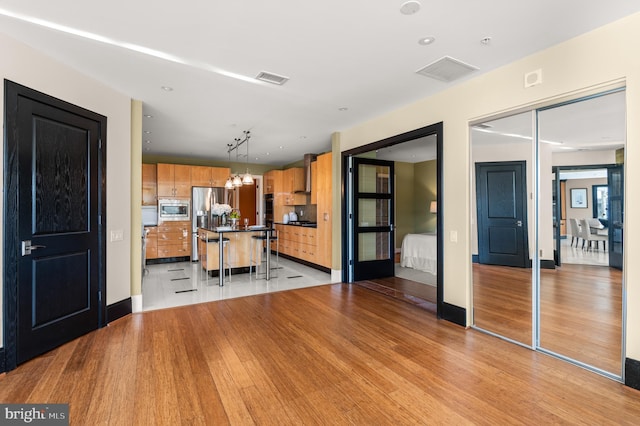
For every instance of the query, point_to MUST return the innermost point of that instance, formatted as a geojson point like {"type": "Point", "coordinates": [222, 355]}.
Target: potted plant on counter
{"type": "Point", "coordinates": [234, 217]}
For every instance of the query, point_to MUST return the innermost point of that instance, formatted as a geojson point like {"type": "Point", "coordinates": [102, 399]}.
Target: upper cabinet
{"type": "Point", "coordinates": [149, 185]}
{"type": "Point", "coordinates": [174, 181]}
{"type": "Point", "coordinates": [273, 182]}
{"type": "Point", "coordinates": [293, 179]}
{"type": "Point", "coordinates": [209, 176]}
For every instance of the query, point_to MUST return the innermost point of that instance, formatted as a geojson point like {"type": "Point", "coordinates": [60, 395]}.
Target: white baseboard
{"type": "Point", "coordinates": [136, 303]}
{"type": "Point", "coordinates": [336, 275]}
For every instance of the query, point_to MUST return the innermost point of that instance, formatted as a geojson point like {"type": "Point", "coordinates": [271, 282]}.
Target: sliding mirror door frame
{"type": "Point", "coordinates": [544, 236]}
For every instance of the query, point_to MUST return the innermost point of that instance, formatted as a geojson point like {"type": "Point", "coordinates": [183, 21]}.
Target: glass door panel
{"type": "Point", "coordinates": [373, 211]}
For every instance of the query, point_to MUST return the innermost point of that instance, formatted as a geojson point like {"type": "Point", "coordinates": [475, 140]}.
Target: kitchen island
{"type": "Point", "coordinates": [212, 252]}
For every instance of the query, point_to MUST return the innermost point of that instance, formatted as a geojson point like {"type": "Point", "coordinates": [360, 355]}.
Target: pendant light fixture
{"type": "Point", "coordinates": [247, 179]}
{"type": "Point", "coordinates": [237, 179]}
{"type": "Point", "coordinates": [229, 183]}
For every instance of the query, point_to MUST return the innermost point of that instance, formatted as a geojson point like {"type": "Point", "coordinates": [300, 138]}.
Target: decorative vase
{"type": "Point", "coordinates": [220, 220]}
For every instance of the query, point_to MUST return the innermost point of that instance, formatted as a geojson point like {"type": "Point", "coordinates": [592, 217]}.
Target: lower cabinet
{"type": "Point", "coordinates": [174, 239]}
{"type": "Point", "coordinates": [152, 242]}
{"type": "Point", "coordinates": [298, 242]}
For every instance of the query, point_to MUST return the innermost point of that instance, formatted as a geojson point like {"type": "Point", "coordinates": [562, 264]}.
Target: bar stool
{"type": "Point", "coordinates": [225, 245]}
{"type": "Point", "coordinates": [259, 240]}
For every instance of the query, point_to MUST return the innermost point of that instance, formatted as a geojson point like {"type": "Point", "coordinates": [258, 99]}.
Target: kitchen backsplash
{"type": "Point", "coordinates": [307, 212]}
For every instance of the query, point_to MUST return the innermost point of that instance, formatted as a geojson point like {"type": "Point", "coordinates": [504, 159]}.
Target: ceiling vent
{"type": "Point", "coordinates": [447, 69]}
{"type": "Point", "coordinates": [272, 78]}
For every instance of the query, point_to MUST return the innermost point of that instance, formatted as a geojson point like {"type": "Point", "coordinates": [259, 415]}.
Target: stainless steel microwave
{"type": "Point", "coordinates": [174, 210]}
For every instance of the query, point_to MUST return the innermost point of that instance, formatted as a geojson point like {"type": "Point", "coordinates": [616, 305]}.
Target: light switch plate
{"type": "Point", "coordinates": [117, 235]}
{"type": "Point", "coordinates": [453, 236]}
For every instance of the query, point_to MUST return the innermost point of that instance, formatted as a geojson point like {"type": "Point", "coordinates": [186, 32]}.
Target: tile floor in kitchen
{"type": "Point", "coordinates": [167, 285]}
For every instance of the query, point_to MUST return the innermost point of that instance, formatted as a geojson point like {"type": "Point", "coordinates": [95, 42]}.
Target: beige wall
{"type": "Point", "coordinates": [25, 66]}
{"type": "Point", "coordinates": [587, 63]}
{"type": "Point", "coordinates": [425, 188]}
{"type": "Point", "coordinates": [405, 209]}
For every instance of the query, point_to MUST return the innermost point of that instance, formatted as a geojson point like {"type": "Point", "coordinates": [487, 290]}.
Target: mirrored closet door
{"type": "Point", "coordinates": [547, 229]}
{"type": "Point", "coordinates": [581, 193]}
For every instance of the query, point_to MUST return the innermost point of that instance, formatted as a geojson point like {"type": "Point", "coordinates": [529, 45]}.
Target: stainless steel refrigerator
{"type": "Point", "coordinates": [202, 198]}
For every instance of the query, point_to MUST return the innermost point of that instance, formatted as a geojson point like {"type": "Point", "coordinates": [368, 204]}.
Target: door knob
{"type": "Point", "coordinates": [518, 223]}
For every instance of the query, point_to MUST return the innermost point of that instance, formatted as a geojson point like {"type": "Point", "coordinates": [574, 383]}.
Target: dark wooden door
{"type": "Point", "coordinates": [373, 219]}
{"type": "Point", "coordinates": [615, 181]}
{"type": "Point", "coordinates": [54, 222]}
{"type": "Point", "coordinates": [502, 213]}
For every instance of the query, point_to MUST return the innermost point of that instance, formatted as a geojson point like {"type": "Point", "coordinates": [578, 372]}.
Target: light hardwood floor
{"type": "Point", "coordinates": [332, 354]}
{"type": "Point", "coordinates": [580, 309]}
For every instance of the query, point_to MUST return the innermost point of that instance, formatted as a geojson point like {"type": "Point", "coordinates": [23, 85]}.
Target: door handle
{"type": "Point", "coordinates": [27, 248]}
{"type": "Point", "coordinates": [519, 223]}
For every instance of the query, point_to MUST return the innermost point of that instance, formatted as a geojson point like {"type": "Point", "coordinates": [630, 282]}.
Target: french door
{"type": "Point", "coordinates": [373, 218]}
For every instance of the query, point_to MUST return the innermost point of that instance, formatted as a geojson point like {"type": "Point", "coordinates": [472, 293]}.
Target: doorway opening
{"type": "Point", "coordinates": [431, 205]}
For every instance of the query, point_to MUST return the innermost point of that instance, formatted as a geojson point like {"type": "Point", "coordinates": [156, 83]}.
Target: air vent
{"type": "Point", "coordinates": [272, 78]}
{"type": "Point", "coordinates": [447, 69]}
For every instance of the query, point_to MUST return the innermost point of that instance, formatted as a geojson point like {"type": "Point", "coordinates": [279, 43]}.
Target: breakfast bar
{"type": "Point", "coordinates": [214, 255]}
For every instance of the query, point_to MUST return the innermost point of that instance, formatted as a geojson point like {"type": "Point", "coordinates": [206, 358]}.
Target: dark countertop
{"type": "Point", "coordinates": [302, 223]}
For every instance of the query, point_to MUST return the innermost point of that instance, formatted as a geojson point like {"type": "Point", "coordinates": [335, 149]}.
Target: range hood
{"type": "Point", "coordinates": [308, 159]}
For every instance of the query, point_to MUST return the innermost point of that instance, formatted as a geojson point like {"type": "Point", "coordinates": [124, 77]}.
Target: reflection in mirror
{"type": "Point", "coordinates": [502, 173]}
{"type": "Point", "coordinates": [581, 152]}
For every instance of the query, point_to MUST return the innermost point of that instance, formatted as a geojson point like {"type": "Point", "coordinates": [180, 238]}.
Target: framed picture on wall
{"type": "Point", "coordinates": [579, 198]}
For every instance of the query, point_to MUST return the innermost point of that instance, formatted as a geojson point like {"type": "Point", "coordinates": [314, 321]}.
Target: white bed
{"type": "Point", "coordinates": [420, 251]}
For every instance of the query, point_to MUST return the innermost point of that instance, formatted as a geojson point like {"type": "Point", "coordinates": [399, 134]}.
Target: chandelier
{"type": "Point", "coordinates": [235, 181]}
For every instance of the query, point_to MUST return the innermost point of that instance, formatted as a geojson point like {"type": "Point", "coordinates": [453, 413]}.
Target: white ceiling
{"type": "Point", "coordinates": [361, 55]}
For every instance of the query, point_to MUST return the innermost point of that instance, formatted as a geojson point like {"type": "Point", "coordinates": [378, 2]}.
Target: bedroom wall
{"type": "Point", "coordinates": [425, 190]}
{"type": "Point", "coordinates": [405, 206]}
{"type": "Point", "coordinates": [590, 63]}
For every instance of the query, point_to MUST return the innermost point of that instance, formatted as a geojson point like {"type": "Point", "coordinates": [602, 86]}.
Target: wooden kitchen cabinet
{"type": "Point", "coordinates": [149, 185]}
{"type": "Point", "coordinates": [314, 183]}
{"type": "Point", "coordinates": [174, 239]}
{"type": "Point", "coordinates": [324, 210]}
{"type": "Point", "coordinates": [298, 242]}
{"type": "Point", "coordinates": [293, 182]}
{"type": "Point", "coordinates": [273, 182]}
{"type": "Point", "coordinates": [152, 243]}
{"type": "Point", "coordinates": [174, 180]}
{"type": "Point", "coordinates": [209, 176]}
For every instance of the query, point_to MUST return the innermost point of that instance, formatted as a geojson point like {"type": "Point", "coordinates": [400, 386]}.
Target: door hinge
{"type": "Point", "coordinates": [100, 143]}
{"type": "Point", "coordinates": [350, 261]}
{"type": "Point", "coordinates": [99, 219]}
{"type": "Point", "coordinates": [99, 296]}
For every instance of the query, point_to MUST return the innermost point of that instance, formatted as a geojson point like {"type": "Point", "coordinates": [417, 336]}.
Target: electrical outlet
{"type": "Point", "coordinates": [453, 236]}
{"type": "Point", "coordinates": [117, 235]}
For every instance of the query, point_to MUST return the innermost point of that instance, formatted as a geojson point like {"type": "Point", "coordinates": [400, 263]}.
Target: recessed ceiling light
{"type": "Point", "coordinates": [425, 41]}
{"type": "Point", "coordinates": [343, 109]}
{"type": "Point", "coordinates": [148, 116]}
{"type": "Point", "coordinates": [281, 147]}
{"type": "Point", "coordinates": [147, 132]}
{"type": "Point", "coordinates": [167, 88]}
{"type": "Point", "coordinates": [147, 141]}
{"type": "Point", "coordinates": [486, 41]}
{"type": "Point", "coordinates": [410, 7]}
